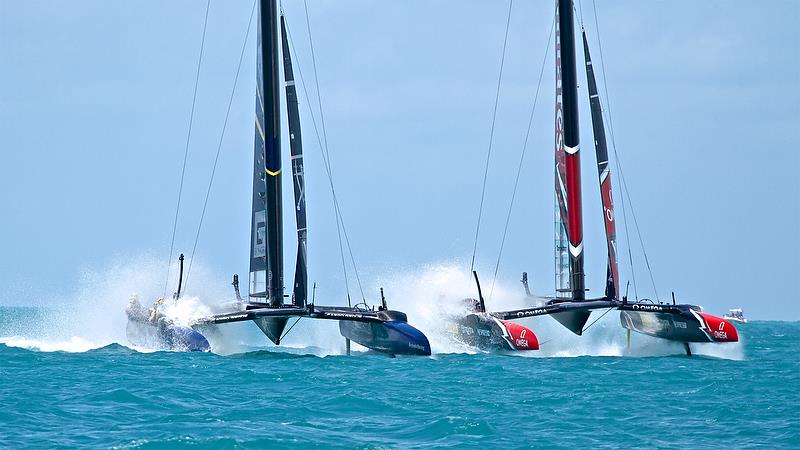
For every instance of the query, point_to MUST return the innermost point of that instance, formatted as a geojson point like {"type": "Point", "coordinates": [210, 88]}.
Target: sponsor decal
{"type": "Point", "coordinates": [343, 315]}
{"type": "Point", "coordinates": [520, 337]}
{"type": "Point", "coordinates": [647, 308]}
{"type": "Point", "coordinates": [237, 316]}
{"type": "Point", "coordinates": [260, 231]}
{"type": "Point", "coordinates": [718, 329]}
{"type": "Point", "coordinates": [680, 325]}
{"type": "Point", "coordinates": [532, 312]}
{"type": "Point", "coordinates": [484, 332]}
{"type": "Point", "coordinates": [416, 346]}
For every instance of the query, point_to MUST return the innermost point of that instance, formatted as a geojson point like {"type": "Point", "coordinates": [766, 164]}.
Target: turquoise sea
{"type": "Point", "coordinates": [115, 397]}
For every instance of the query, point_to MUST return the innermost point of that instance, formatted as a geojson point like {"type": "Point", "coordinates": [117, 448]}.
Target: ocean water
{"type": "Point", "coordinates": [59, 392]}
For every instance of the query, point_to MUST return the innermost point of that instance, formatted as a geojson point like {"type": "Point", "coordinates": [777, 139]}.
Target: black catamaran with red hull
{"type": "Point", "coordinates": [488, 332]}
{"type": "Point", "coordinates": [379, 329]}
{"type": "Point", "coordinates": [683, 323]}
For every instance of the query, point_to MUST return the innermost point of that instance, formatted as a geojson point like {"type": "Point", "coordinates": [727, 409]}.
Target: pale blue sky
{"type": "Point", "coordinates": [95, 99]}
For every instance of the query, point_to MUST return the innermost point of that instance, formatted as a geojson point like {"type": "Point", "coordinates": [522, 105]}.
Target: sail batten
{"type": "Point", "coordinates": [604, 175]}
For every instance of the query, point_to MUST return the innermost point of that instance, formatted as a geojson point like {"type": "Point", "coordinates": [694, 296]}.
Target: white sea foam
{"type": "Point", "coordinates": [95, 315]}
{"type": "Point", "coordinates": [431, 292]}
{"type": "Point", "coordinates": [74, 344]}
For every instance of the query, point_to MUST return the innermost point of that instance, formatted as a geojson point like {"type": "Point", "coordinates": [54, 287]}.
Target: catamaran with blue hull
{"type": "Point", "coordinates": [378, 329]}
{"type": "Point", "coordinates": [570, 307]}
{"type": "Point", "coordinates": [150, 328]}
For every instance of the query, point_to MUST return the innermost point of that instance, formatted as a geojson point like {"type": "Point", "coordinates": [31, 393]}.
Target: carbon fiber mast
{"type": "Point", "coordinates": [266, 249]}
{"type": "Point", "coordinates": [598, 130]}
{"type": "Point", "coordinates": [300, 290]}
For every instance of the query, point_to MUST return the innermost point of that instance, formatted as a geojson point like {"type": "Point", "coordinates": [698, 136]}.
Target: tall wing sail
{"type": "Point", "coordinates": [266, 251]}
{"type": "Point", "coordinates": [258, 225]}
{"type": "Point", "coordinates": [568, 170]}
{"type": "Point", "coordinates": [300, 290]}
{"type": "Point", "coordinates": [612, 279]}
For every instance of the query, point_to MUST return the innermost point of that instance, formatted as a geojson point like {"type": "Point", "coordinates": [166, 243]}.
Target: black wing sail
{"type": "Point", "coordinates": [604, 173]}
{"type": "Point", "coordinates": [300, 290]}
{"type": "Point", "coordinates": [266, 252]}
{"type": "Point", "coordinates": [258, 224]}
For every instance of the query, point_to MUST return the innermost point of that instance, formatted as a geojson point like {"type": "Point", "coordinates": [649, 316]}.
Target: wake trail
{"type": "Point", "coordinates": [94, 316]}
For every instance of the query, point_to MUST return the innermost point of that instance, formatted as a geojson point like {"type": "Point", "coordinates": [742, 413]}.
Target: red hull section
{"type": "Point", "coordinates": [720, 329]}
{"type": "Point", "coordinates": [520, 337]}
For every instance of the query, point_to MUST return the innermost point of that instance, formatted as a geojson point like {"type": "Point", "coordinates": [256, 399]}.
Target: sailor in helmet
{"type": "Point", "coordinates": [135, 308]}
{"type": "Point", "coordinates": [155, 315]}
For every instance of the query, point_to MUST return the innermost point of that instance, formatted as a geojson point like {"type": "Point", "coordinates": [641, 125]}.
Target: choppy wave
{"type": "Point", "coordinates": [112, 396]}
{"type": "Point", "coordinates": [94, 317]}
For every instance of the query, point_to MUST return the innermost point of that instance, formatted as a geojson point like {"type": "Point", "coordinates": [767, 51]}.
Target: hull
{"type": "Point", "coordinates": [395, 337]}
{"type": "Point", "coordinates": [165, 336]}
{"type": "Point", "coordinates": [382, 330]}
{"type": "Point", "coordinates": [487, 333]}
{"type": "Point", "coordinates": [682, 323]}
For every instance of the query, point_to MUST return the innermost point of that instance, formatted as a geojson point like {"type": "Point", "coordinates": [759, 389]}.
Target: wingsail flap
{"type": "Point", "coordinates": [300, 289]}
{"type": "Point", "coordinates": [604, 174]}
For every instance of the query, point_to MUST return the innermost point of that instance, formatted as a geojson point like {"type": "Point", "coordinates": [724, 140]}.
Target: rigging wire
{"type": "Point", "coordinates": [595, 320]}
{"type": "Point", "coordinates": [324, 158]}
{"type": "Point", "coordinates": [186, 148]}
{"type": "Point", "coordinates": [491, 137]}
{"type": "Point", "coordinates": [219, 145]}
{"type": "Point", "coordinates": [619, 166]}
{"type": "Point", "coordinates": [522, 155]}
{"type": "Point", "coordinates": [327, 161]}
{"type": "Point", "coordinates": [341, 229]}
{"type": "Point", "coordinates": [285, 333]}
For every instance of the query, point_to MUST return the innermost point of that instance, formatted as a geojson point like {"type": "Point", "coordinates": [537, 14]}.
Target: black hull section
{"type": "Point", "coordinates": [392, 337]}
{"type": "Point", "coordinates": [681, 323]}
{"type": "Point", "coordinates": [490, 334]}
{"type": "Point", "coordinates": [573, 320]}
{"type": "Point", "coordinates": [272, 327]}
{"type": "Point", "coordinates": [384, 331]}
{"type": "Point", "coordinates": [482, 332]}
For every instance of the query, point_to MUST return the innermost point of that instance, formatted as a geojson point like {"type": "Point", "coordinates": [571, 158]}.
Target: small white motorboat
{"type": "Point", "coordinates": [735, 315]}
